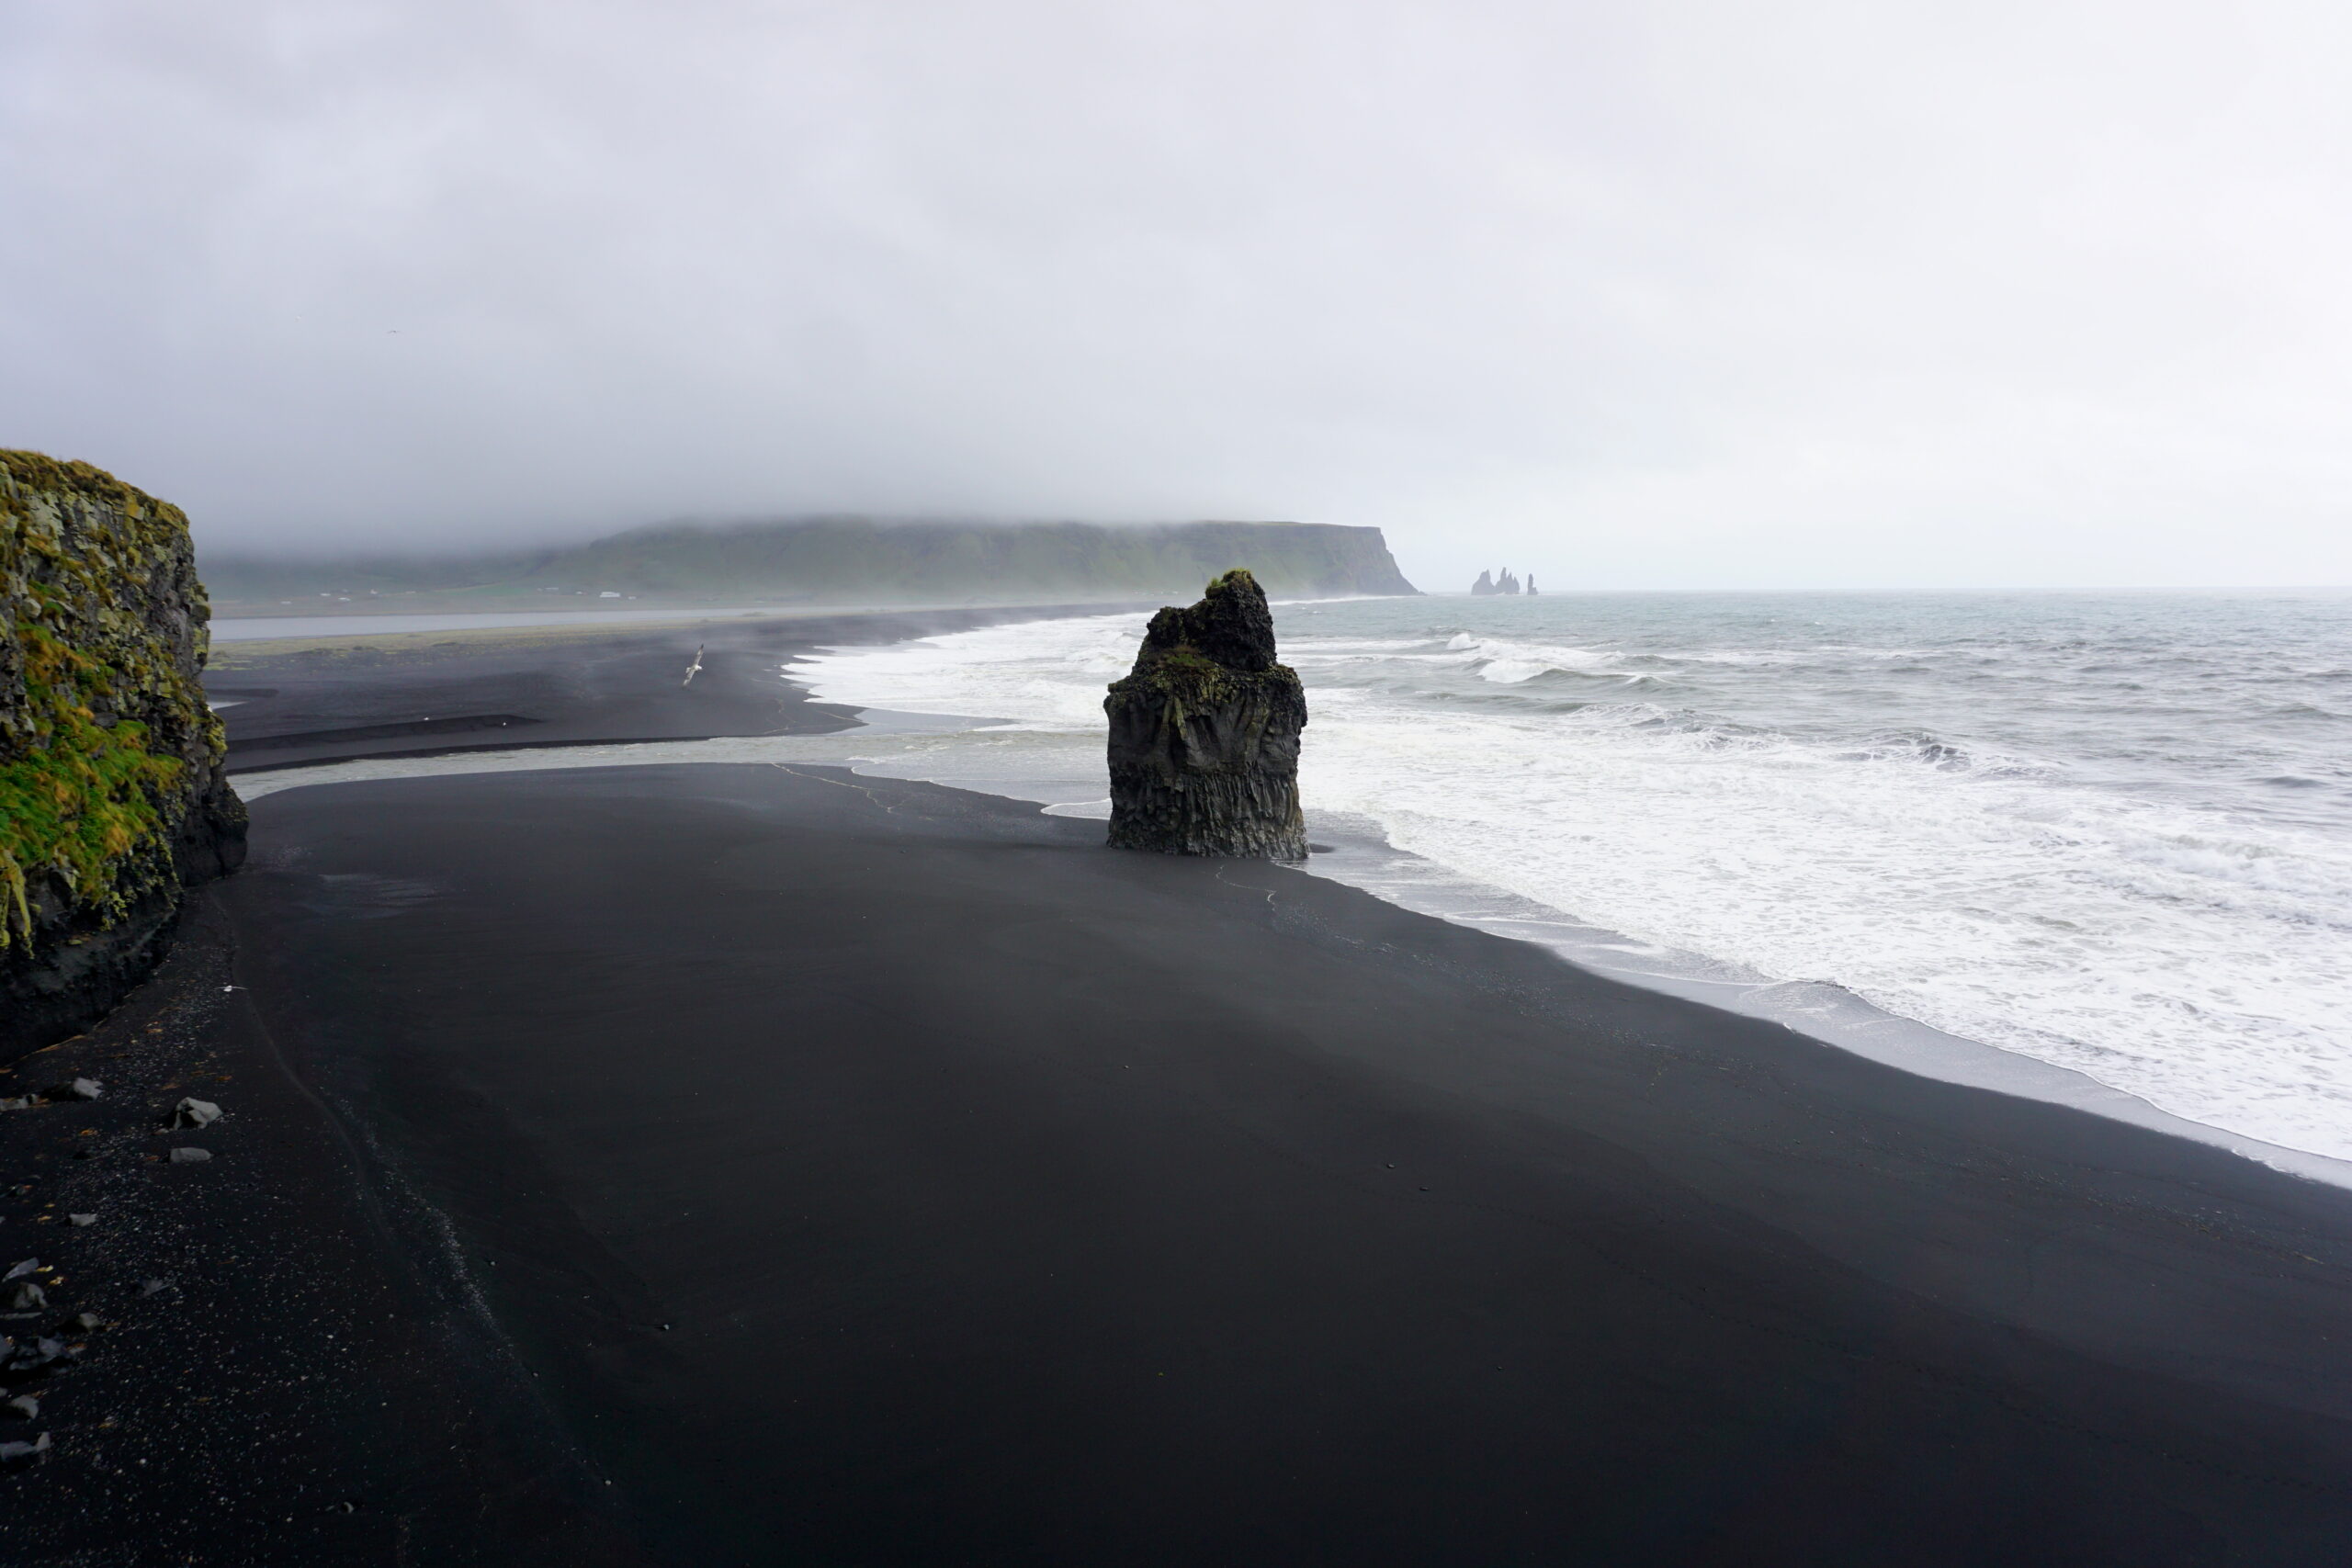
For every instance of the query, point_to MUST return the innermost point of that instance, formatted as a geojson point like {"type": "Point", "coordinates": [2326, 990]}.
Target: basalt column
{"type": "Point", "coordinates": [1204, 734]}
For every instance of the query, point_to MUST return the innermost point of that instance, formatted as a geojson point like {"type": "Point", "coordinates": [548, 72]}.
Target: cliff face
{"type": "Point", "coordinates": [1204, 734]}
{"type": "Point", "coordinates": [111, 794]}
{"type": "Point", "coordinates": [844, 559]}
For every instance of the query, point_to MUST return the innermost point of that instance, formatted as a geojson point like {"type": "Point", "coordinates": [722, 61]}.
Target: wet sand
{"type": "Point", "coordinates": [876, 1173]}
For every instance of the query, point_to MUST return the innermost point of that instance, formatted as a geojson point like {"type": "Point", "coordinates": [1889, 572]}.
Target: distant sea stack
{"type": "Point", "coordinates": [1204, 734]}
{"type": "Point", "coordinates": [111, 794]}
{"type": "Point", "coordinates": [1489, 584]}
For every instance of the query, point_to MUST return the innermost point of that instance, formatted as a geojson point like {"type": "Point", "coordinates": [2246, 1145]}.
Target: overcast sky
{"type": "Point", "coordinates": [1672, 293]}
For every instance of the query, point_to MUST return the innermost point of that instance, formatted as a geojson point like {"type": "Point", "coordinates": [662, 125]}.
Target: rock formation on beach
{"type": "Point", "coordinates": [1204, 734]}
{"type": "Point", "coordinates": [111, 794]}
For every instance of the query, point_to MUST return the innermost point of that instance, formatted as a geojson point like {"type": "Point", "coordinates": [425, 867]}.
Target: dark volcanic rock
{"type": "Point", "coordinates": [1204, 734]}
{"type": "Point", "coordinates": [111, 792]}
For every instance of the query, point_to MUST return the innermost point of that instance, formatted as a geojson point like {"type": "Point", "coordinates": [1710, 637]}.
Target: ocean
{"type": "Point", "coordinates": [2103, 837]}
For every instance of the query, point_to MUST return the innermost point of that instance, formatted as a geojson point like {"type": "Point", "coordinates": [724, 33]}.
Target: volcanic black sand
{"type": "Point", "coordinates": [774, 1165]}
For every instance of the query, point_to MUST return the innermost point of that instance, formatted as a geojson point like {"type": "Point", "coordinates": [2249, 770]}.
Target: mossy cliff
{"type": "Point", "coordinates": [111, 794]}
{"type": "Point", "coordinates": [1203, 744]}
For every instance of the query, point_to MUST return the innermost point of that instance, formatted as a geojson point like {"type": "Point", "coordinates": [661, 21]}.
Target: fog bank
{"type": "Point", "coordinates": [1677, 294]}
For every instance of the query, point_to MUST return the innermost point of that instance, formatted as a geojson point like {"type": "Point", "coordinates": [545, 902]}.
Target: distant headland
{"type": "Point", "coordinates": [829, 560]}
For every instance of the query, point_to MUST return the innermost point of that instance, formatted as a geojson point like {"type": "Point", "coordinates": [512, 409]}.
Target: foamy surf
{"type": "Point", "coordinates": [2009, 836]}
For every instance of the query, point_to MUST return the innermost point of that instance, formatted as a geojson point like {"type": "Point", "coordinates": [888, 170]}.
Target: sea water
{"type": "Point", "coordinates": [2105, 833]}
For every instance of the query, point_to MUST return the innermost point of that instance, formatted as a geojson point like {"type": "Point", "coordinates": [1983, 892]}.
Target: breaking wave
{"type": "Point", "coordinates": [2110, 834]}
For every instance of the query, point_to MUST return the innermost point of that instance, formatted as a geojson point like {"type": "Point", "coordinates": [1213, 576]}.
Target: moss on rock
{"type": "Point", "coordinates": [111, 793]}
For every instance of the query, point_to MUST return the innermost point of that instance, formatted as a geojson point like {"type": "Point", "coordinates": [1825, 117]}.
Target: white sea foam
{"type": "Point", "coordinates": [2052, 882]}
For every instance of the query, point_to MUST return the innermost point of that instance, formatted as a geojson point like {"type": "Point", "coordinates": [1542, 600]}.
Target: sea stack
{"type": "Point", "coordinates": [1204, 734]}
{"type": "Point", "coordinates": [111, 793]}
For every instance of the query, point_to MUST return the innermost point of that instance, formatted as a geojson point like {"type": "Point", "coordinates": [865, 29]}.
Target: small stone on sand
{"type": "Point", "coordinates": [190, 1156]}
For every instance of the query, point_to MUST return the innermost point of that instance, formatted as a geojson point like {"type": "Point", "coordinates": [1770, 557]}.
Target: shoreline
{"type": "Point", "coordinates": [1885, 1020]}
{"type": "Point", "coordinates": [1355, 855]}
{"type": "Point", "coordinates": [344, 697]}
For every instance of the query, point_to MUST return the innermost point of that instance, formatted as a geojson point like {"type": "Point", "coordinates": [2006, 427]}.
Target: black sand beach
{"type": "Point", "coordinates": [863, 1172]}
{"type": "Point", "coordinates": [1011, 1201]}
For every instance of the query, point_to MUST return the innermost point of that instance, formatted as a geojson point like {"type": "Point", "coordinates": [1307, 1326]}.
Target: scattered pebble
{"type": "Point", "coordinates": [24, 1451]}
{"type": "Point", "coordinates": [80, 1088]}
{"type": "Point", "coordinates": [21, 1269]}
{"type": "Point", "coordinates": [154, 1287]}
{"type": "Point", "coordinates": [83, 1219]}
{"type": "Point", "coordinates": [28, 1297]}
{"type": "Point", "coordinates": [16, 1102]}
{"type": "Point", "coordinates": [26, 1406]}
{"type": "Point", "coordinates": [89, 1323]}
{"type": "Point", "coordinates": [195, 1113]}
{"type": "Point", "coordinates": [190, 1156]}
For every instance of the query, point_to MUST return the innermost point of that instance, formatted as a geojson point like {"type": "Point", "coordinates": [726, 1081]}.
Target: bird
{"type": "Point", "coordinates": [695, 667]}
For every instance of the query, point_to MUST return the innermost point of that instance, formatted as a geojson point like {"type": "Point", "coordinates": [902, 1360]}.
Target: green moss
{"type": "Point", "coordinates": [101, 718]}
{"type": "Point", "coordinates": [85, 802]}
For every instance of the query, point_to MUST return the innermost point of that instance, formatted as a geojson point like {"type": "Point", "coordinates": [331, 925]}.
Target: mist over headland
{"type": "Point", "coordinates": [1679, 295]}
{"type": "Point", "coordinates": [835, 559]}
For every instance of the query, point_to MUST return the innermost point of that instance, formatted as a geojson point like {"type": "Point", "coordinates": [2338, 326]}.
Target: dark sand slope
{"type": "Point", "coordinates": [880, 1174]}
{"type": "Point", "coordinates": [284, 1372]}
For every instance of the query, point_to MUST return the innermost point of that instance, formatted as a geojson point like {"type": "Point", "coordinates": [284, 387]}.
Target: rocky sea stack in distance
{"type": "Point", "coordinates": [1204, 734]}
{"type": "Point", "coordinates": [111, 793]}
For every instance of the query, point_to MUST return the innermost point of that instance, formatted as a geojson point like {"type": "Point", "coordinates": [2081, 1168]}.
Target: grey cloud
{"type": "Point", "coordinates": [1626, 293]}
